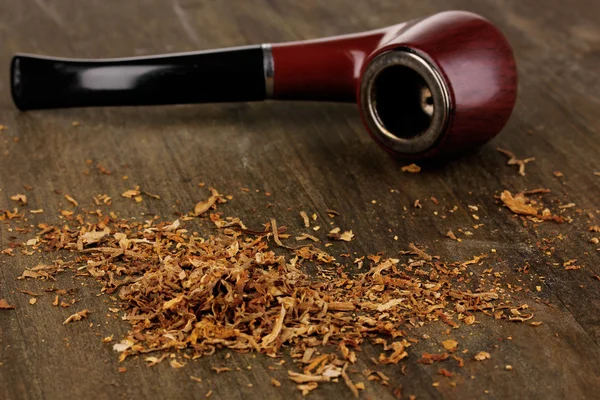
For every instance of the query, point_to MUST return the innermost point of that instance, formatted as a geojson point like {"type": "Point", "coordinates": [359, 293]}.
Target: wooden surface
{"type": "Point", "coordinates": [310, 157]}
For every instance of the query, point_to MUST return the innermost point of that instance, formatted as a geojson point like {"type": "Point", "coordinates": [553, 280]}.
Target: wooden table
{"type": "Point", "coordinates": [311, 157]}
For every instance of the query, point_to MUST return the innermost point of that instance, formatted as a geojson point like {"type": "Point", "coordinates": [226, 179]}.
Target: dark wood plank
{"type": "Point", "coordinates": [310, 157]}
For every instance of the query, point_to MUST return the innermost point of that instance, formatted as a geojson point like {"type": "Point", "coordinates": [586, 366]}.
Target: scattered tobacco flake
{"type": "Point", "coordinates": [21, 198]}
{"type": "Point", "coordinates": [204, 206]}
{"type": "Point", "coordinates": [71, 200]}
{"type": "Point", "coordinates": [5, 306]}
{"type": "Point", "coordinates": [452, 236]}
{"type": "Point", "coordinates": [518, 204]}
{"type": "Point", "coordinates": [219, 370]}
{"type": "Point", "coordinates": [512, 160]}
{"type": "Point", "coordinates": [276, 238]}
{"type": "Point", "coordinates": [398, 392]}
{"type": "Point", "coordinates": [305, 236]}
{"type": "Point", "coordinates": [460, 361]}
{"type": "Point", "coordinates": [152, 361]}
{"type": "Point", "coordinates": [92, 237]}
{"type": "Point", "coordinates": [399, 353]}
{"type": "Point", "coordinates": [275, 382]}
{"type": "Point", "coordinates": [412, 168]}
{"type": "Point", "coordinates": [335, 234]}
{"type": "Point", "coordinates": [522, 205]}
{"type": "Point", "coordinates": [188, 294]}
{"type": "Point", "coordinates": [570, 265]}
{"type": "Point", "coordinates": [305, 219]}
{"type": "Point", "coordinates": [428, 358]}
{"type": "Point", "coordinates": [131, 193]}
{"type": "Point", "coordinates": [29, 292]}
{"type": "Point", "coordinates": [482, 355]}
{"type": "Point", "coordinates": [102, 169]}
{"type": "Point", "coordinates": [78, 316]}
{"type": "Point", "coordinates": [536, 191]}
{"type": "Point", "coordinates": [154, 196]}
{"type": "Point", "coordinates": [42, 272]}
{"type": "Point", "coordinates": [420, 253]}
{"type": "Point", "coordinates": [174, 363]}
{"type": "Point", "coordinates": [306, 388]}
{"type": "Point", "coordinates": [475, 260]}
{"type": "Point", "coordinates": [349, 382]}
{"type": "Point", "coordinates": [569, 205]}
{"type": "Point", "coordinates": [450, 345]}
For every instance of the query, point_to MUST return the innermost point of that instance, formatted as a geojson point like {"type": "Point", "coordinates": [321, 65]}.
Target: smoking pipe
{"type": "Point", "coordinates": [426, 87]}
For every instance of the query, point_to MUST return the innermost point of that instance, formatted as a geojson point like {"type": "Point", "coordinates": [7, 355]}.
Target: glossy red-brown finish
{"type": "Point", "coordinates": [471, 54]}
{"type": "Point", "coordinates": [478, 65]}
{"type": "Point", "coordinates": [323, 69]}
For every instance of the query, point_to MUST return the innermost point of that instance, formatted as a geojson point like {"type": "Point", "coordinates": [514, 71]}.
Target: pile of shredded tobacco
{"type": "Point", "coordinates": [248, 291]}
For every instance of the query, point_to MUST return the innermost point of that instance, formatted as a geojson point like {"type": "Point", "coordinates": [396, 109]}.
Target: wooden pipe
{"type": "Point", "coordinates": [432, 86]}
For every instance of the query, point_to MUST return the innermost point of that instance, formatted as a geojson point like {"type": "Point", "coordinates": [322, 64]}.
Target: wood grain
{"type": "Point", "coordinates": [311, 157]}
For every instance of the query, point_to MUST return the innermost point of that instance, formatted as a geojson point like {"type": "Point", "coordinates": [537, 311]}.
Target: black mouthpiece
{"type": "Point", "coordinates": [234, 74]}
